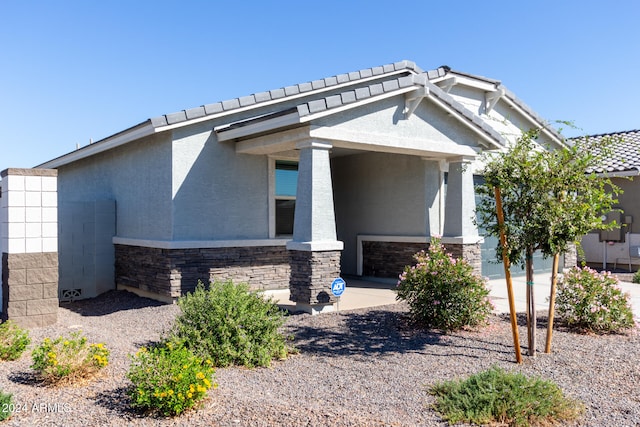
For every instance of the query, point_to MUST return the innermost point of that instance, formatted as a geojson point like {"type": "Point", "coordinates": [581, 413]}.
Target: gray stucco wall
{"type": "Point", "coordinates": [381, 194]}
{"type": "Point", "coordinates": [217, 194]}
{"type": "Point", "coordinates": [128, 188]}
{"type": "Point", "coordinates": [430, 128]}
{"type": "Point", "coordinates": [137, 176]}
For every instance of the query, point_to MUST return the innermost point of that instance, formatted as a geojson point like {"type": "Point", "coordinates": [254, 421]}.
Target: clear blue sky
{"type": "Point", "coordinates": [75, 70]}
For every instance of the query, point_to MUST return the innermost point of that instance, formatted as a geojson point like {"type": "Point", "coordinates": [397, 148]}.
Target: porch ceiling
{"type": "Point", "coordinates": [347, 142]}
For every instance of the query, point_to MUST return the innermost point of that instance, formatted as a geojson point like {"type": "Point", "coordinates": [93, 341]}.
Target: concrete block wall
{"type": "Point", "coordinates": [29, 242]}
{"type": "Point", "coordinates": [87, 257]}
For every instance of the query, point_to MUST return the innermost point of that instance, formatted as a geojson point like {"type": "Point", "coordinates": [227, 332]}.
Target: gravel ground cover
{"type": "Point", "coordinates": [364, 367]}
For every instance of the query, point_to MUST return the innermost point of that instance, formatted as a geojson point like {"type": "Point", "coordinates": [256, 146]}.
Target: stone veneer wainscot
{"type": "Point", "coordinates": [387, 259]}
{"type": "Point", "coordinates": [168, 273]}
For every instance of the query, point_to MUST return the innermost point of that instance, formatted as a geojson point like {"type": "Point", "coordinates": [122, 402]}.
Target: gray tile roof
{"type": "Point", "coordinates": [348, 97]}
{"type": "Point", "coordinates": [261, 97]}
{"type": "Point", "coordinates": [362, 84]}
{"type": "Point", "coordinates": [392, 84]}
{"type": "Point", "coordinates": [333, 101]}
{"type": "Point", "coordinates": [625, 155]}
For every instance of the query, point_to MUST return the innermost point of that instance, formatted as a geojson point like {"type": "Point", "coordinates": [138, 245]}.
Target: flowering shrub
{"type": "Point", "coordinates": [168, 379]}
{"type": "Point", "coordinates": [13, 340]}
{"type": "Point", "coordinates": [71, 358]}
{"type": "Point", "coordinates": [593, 301]}
{"type": "Point", "coordinates": [443, 292]}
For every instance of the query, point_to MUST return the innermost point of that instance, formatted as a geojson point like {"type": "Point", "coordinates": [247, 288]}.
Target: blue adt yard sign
{"type": "Point", "coordinates": [337, 286]}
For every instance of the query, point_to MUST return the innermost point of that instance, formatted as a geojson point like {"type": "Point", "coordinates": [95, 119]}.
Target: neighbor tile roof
{"type": "Point", "coordinates": [625, 155]}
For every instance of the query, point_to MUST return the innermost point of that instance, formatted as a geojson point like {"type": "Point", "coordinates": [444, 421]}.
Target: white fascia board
{"type": "Point", "coordinates": [533, 121]}
{"type": "Point", "coordinates": [101, 146]}
{"type": "Point", "coordinates": [225, 133]}
{"type": "Point", "coordinates": [351, 105]}
{"type": "Point", "coordinates": [468, 81]}
{"type": "Point", "coordinates": [462, 119]}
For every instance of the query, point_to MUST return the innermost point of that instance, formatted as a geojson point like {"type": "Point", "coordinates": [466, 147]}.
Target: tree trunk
{"type": "Point", "coordinates": [552, 301]}
{"type": "Point", "coordinates": [531, 305]}
{"type": "Point", "coordinates": [507, 274]}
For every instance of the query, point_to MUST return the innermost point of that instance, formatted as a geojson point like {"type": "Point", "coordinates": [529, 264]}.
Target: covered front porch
{"type": "Point", "coordinates": [364, 202]}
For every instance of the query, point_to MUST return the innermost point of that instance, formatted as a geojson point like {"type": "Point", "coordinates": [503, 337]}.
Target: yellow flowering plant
{"type": "Point", "coordinates": [68, 358]}
{"type": "Point", "coordinates": [168, 379]}
{"type": "Point", "coordinates": [13, 340]}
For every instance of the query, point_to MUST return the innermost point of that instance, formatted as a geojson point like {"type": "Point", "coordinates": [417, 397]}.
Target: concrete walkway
{"type": "Point", "coordinates": [542, 288]}
{"type": "Point", "coordinates": [366, 293]}
{"type": "Point", "coordinates": [358, 294]}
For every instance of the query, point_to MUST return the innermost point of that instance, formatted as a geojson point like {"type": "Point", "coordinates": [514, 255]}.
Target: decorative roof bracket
{"type": "Point", "coordinates": [412, 100]}
{"type": "Point", "coordinates": [492, 98]}
{"type": "Point", "coordinates": [447, 84]}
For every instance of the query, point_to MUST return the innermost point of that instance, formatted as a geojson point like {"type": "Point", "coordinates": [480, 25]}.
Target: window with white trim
{"type": "Point", "coordinates": [286, 177]}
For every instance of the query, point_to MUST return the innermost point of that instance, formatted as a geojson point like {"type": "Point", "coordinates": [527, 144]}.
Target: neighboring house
{"type": "Point", "coordinates": [346, 175]}
{"type": "Point", "coordinates": [619, 247]}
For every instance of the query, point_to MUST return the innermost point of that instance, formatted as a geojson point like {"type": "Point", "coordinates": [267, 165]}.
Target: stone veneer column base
{"type": "Point", "coordinates": [30, 288]}
{"type": "Point", "coordinates": [311, 275]}
{"type": "Point", "coordinates": [470, 252]}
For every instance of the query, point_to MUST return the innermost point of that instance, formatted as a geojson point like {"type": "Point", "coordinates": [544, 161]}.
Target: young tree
{"type": "Point", "coordinates": [549, 202]}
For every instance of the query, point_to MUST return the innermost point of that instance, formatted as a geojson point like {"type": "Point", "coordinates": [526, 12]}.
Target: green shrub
{"type": "Point", "coordinates": [6, 405]}
{"type": "Point", "coordinates": [228, 324]}
{"type": "Point", "coordinates": [495, 396]}
{"type": "Point", "coordinates": [168, 379]}
{"type": "Point", "coordinates": [68, 358]}
{"type": "Point", "coordinates": [593, 301]}
{"type": "Point", "coordinates": [443, 292]}
{"type": "Point", "coordinates": [636, 277]}
{"type": "Point", "coordinates": [13, 340]}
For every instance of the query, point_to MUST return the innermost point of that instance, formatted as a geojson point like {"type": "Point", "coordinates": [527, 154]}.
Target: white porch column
{"type": "Point", "coordinates": [460, 234]}
{"type": "Point", "coordinates": [460, 203]}
{"type": "Point", "coordinates": [314, 251]}
{"type": "Point", "coordinates": [434, 196]}
{"type": "Point", "coordinates": [314, 226]}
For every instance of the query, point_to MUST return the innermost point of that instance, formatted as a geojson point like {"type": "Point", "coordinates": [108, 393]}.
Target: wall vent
{"type": "Point", "coordinates": [70, 294]}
